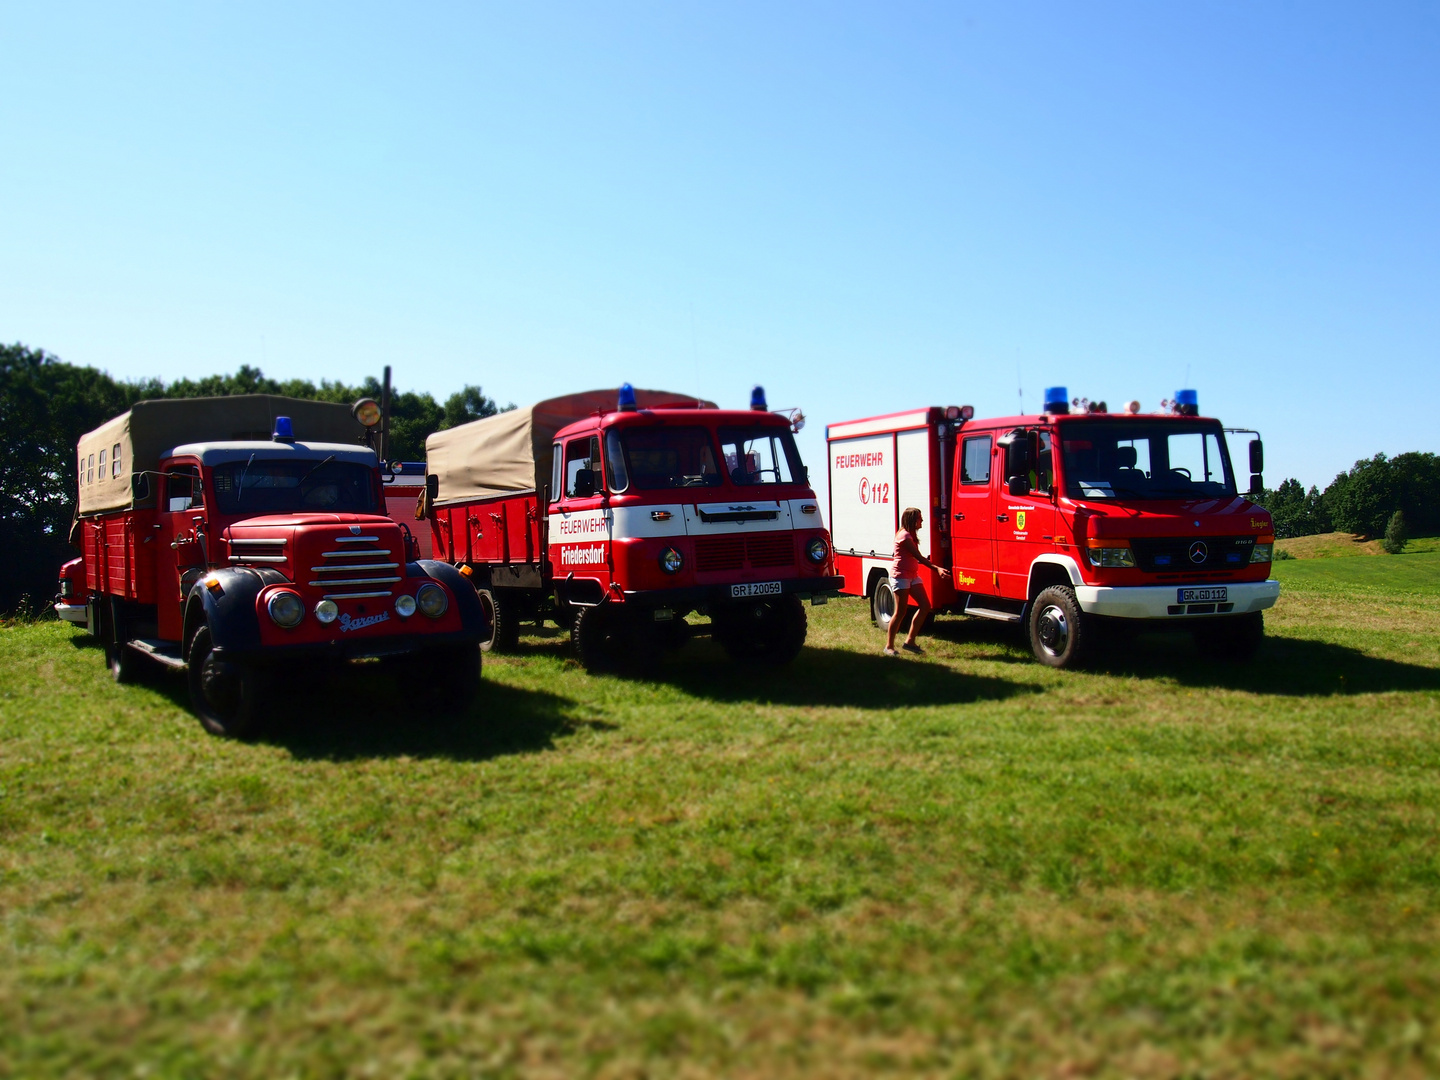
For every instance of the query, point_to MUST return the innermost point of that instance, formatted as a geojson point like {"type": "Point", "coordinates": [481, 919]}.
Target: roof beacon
{"type": "Point", "coordinates": [757, 400]}
{"type": "Point", "coordinates": [1187, 403]}
{"type": "Point", "coordinates": [284, 430]}
{"type": "Point", "coordinates": [1057, 400]}
{"type": "Point", "coordinates": [627, 398]}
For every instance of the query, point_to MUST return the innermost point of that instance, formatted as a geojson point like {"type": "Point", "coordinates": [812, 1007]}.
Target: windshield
{"type": "Point", "coordinates": [760, 455]}
{"type": "Point", "coordinates": [661, 457]}
{"type": "Point", "coordinates": [294, 486]}
{"type": "Point", "coordinates": [1135, 460]}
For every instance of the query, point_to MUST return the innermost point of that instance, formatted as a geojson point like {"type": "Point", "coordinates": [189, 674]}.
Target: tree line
{"type": "Point", "coordinates": [1362, 501]}
{"type": "Point", "coordinates": [47, 404]}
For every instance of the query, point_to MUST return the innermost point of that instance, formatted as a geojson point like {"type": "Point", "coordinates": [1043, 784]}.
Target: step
{"type": "Point", "coordinates": [992, 613]}
{"type": "Point", "coordinates": [165, 652]}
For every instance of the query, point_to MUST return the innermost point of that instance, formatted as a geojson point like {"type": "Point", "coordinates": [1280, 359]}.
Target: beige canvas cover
{"type": "Point", "coordinates": [511, 452]}
{"type": "Point", "coordinates": [152, 427]}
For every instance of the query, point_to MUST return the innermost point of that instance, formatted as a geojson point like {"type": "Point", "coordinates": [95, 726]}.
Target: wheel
{"type": "Point", "coordinates": [883, 605]}
{"type": "Point", "coordinates": [451, 679]}
{"type": "Point", "coordinates": [503, 619]}
{"type": "Point", "coordinates": [1232, 637]}
{"type": "Point", "coordinates": [767, 631]}
{"type": "Point", "coordinates": [596, 634]}
{"type": "Point", "coordinates": [228, 695]}
{"type": "Point", "coordinates": [1059, 633]}
{"type": "Point", "coordinates": [563, 614]}
{"type": "Point", "coordinates": [126, 665]}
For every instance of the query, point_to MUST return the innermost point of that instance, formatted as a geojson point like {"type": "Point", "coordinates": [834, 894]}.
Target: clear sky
{"type": "Point", "coordinates": [864, 207]}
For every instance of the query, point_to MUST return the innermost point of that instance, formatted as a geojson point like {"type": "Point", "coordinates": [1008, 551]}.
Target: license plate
{"type": "Point", "coordinates": [758, 588]}
{"type": "Point", "coordinates": [1215, 594]}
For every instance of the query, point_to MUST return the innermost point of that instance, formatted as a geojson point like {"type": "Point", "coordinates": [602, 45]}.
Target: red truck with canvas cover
{"type": "Point", "coordinates": [619, 517]}
{"type": "Point", "coordinates": [213, 546]}
{"type": "Point", "coordinates": [1068, 524]}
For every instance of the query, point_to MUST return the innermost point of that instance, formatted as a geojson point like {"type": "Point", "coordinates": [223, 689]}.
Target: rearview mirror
{"type": "Point", "coordinates": [1257, 456]}
{"type": "Point", "coordinates": [1018, 485]}
{"type": "Point", "coordinates": [432, 486]}
{"type": "Point", "coordinates": [1017, 457]}
{"type": "Point", "coordinates": [1257, 484]}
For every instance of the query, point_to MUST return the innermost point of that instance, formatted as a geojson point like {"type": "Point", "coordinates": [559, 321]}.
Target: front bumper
{"type": "Point", "coordinates": [72, 613]}
{"type": "Point", "coordinates": [708, 595]}
{"type": "Point", "coordinates": [359, 649]}
{"type": "Point", "coordinates": [1160, 601]}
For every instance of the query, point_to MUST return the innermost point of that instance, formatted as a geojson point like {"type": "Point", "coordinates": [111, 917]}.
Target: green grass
{"type": "Point", "coordinates": [966, 865]}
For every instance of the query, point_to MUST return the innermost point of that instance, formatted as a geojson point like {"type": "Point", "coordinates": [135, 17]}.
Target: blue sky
{"type": "Point", "coordinates": [864, 207]}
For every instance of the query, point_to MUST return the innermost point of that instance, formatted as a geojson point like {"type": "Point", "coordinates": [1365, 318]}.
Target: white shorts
{"type": "Point", "coordinates": [900, 583]}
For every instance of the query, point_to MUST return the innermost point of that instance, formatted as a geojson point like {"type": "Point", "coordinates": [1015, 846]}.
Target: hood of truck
{"type": "Point", "coordinates": [1232, 516]}
{"type": "Point", "coordinates": [333, 555]}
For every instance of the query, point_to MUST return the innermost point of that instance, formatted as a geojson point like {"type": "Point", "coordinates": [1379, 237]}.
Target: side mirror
{"type": "Point", "coordinates": [584, 483]}
{"type": "Point", "coordinates": [1017, 458]}
{"type": "Point", "coordinates": [1257, 483]}
{"type": "Point", "coordinates": [432, 486]}
{"type": "Point", "coordinates": [1257, 456]}
{"type": "Point", "coordinates": [1018, 485]}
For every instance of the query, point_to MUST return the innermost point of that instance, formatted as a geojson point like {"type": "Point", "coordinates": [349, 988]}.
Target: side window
{"type": "Point", "coordinates": [90, 471]}
{"type": "Point", "coordinates": [115, 461]}
{"type": "Point", "coordinates": [102, 464]}
{"type": "Point", "coordinates": [1042, 475]}
{"type": "Point", "coordinates": [582, 464]}
{"type": "Point", "coordinates": [557, 472]}
{"type": "Point", "coordinates": [616, 474]}
{"type": "Point", "coordinates": [975, 460]}
{"type": "Point", "coordinates": [80, 479]}
{"type": "Point", "coordinates": [183, 490]}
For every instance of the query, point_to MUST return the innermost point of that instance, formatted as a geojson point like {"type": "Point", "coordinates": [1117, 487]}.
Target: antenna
{"type": "Point", "coordinates": [1019, 390]}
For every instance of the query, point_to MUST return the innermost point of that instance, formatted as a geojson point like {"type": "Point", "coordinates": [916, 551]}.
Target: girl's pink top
{"type": "Point", "coordinates": [904, 564]}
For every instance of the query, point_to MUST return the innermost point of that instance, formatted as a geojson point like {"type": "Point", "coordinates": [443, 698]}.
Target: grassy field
{"type": "Point", "coordinates": [965, 865]}
{"type": "Point", "coordinates": [1339, 545]}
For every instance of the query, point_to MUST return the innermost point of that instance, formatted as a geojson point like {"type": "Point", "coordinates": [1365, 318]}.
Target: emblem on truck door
{"type": "Point", "coordinates": [1020, 521]}
{"type": "Point", "coordinates": [1198, 552]}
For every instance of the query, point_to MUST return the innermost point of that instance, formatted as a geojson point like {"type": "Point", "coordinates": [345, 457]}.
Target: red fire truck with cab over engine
{"type": "Point", "coordinates": [619, 520]}
{"type": "Point", "coordinates": [212, 546]}
{"type": "Point", "coordinates": [1068, 524]}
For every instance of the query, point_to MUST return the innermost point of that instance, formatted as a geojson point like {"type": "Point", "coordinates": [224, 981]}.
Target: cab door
{"type": "Point", "coordinates": [181, 557]}
{"type": "Point", "coordinates": [580, 523]}
{"type": "Point", "coordinates": [972, 534]}
{"type": "Point", "coordinates": [1025, 524]}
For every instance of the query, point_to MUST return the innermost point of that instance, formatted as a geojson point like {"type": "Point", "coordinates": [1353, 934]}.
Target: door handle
{"type": "Point", "coordinates": [1002, 517]}
{"type": "Point", "coordinates": [959, 516]}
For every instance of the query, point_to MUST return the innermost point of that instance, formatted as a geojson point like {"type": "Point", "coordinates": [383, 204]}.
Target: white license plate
{"type": "Point", "coordinates": [758, 588]}
{"type": "Point", "coordinates": [1216, 594]}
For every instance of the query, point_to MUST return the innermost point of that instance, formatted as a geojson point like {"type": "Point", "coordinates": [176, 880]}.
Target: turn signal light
{"type": "Point", "coordinates": [1110, 553]}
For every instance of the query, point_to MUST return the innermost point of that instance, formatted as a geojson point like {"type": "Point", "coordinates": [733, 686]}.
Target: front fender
{"type": "Point", "coordinates": [467, 600]}
{"type": "Point", "coordinates": [229, 610]}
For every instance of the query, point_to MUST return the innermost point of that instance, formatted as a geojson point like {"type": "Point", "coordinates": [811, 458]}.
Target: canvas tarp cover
{"type": "Point", "coordinates": [511, 451]}
{"type": "Point", "coordinates": [152, 427]}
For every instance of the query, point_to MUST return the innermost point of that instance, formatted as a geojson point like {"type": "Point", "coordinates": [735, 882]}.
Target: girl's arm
{"type": "Point", "coordinates": [914, 549]}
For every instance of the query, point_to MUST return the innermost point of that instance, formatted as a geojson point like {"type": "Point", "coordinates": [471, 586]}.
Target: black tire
{"type": "Point", "coordinates": [125, 664]}
{"type": "Point", "coordinates": [883, 605]}
{"type": "Point", "coordinates": [597, 636]}
{"type": "Point", "coordinates": [504, 620]}
{"type": "Point", "coordinates": [767, 631]}
{"type": "Point", "coordinates": [1235, 638]}
{"type": "Point", "coordinates": [228, 696]}
{"type": "Point", "coordinates": [1059, 631]}
{"type": "Point", "coordinates": [563, 615]}
{"type": "Point", "coordinates": [451, 678]}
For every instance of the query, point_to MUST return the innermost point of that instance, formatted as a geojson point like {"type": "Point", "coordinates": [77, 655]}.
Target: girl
{"type": "Point", "coordinates": [904, 577]}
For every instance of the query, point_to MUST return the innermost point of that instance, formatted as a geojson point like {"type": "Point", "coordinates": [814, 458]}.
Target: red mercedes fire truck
{"type": "Point", "coordinates": [1065, 523]}
{"type": "Point", "coordinates": [213, 546]}
{"type": "Point", "coordinates": [619, 517]}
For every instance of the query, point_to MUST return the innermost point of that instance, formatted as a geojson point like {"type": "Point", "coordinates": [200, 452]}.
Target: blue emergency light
{"type": "Point", "coordinates": [1187, 403]}
{"type": "Point", "coordinates": [627, 398]}
{"type": "Point", "coordinates": [1057, 399]}
{"type": "Point", "coordinates": [284, 430]}
{"type": "Point", "coordinates": [757, 400]}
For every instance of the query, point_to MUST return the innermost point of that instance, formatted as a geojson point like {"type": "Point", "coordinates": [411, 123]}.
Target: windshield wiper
{"type": "Point", "coordinates": [313, 471]}
{"type": "Point", "coordinates": [240, 487]}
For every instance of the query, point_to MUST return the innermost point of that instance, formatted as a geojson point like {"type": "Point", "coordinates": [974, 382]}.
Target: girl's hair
{"type": "Point", "coordinates": [910, 519]}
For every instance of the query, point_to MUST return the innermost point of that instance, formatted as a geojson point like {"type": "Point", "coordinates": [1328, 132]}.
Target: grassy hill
{"type": "Point", "coordinates": [1339, 545]}
{"type": "Point", "coordinates": [962, 865]}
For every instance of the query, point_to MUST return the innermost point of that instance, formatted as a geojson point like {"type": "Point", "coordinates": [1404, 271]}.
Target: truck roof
{"type": "Point", "coordinates": [218, 453]}
{"type": "Point", "coordinates": [709, 416]}
{"type": "Point", "coordinates": [912, 419]}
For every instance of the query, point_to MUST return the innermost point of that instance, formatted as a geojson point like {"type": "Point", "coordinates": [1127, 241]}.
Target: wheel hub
{"type": "Point", "coordinates": [1054, 630]}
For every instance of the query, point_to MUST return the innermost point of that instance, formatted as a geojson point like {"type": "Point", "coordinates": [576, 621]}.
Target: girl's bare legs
{"type": "Point", "coordinates": [900, 606]}
{"type": "Point", "coordinates": [922, 605]}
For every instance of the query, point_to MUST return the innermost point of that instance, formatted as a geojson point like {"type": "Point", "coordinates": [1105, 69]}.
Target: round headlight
{"type": "Point", "coordinates": [405, 605]}
{"type": "Point", "coordinates": [432, 599]}
{"type": "Point", "coordinates": [327, 611]}
{"type": "Point", "coordinates": [286, 608]}
{"type": "Point", "coordinates": [817, 550]}
{"type": "Point", "coordinates": [671, 561]}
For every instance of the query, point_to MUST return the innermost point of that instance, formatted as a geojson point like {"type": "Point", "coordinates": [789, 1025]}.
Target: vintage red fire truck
{"type": "Point", "coordinates": [216, 543]}
{"type": "Point", "coordinates": [619, 516]}
{"type": "Point", "coordinates": [1066, 523]}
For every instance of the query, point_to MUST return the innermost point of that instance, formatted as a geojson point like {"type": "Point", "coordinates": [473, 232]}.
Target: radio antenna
{"type": "Point", "coordinates": [1019, 390]}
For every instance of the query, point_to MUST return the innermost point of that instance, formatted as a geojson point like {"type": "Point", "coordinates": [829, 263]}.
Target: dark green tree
{"type": "Point", "coordinates": [1361, 501]}
{"type": "Point", "coordinates": [1296, 512]}
{"type": "Point", "coordinates": [1396, 535]}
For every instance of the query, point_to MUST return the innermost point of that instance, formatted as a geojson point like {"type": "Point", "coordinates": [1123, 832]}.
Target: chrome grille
{"type": "Point", "coordinates": [260, 549]}
{"type": "Point", "coordinates": [356, 567]}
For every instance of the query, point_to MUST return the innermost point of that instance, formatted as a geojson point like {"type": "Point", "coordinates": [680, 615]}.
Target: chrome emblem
{"type": "Point", "coordinates": [738, 509]}
{"type": "Point", "coordinates": [1199, 552]}
{"type": "Point", "coordinates": [354, 530]}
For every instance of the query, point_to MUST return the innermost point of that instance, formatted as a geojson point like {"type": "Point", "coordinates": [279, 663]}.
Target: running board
{"type": "Point", "coordinates": [991, 613]}
{"type": "Point", "coordinates": [164, 652]}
